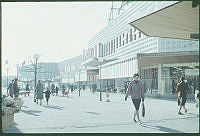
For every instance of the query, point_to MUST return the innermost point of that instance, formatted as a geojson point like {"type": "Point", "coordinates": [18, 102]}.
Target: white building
{"type": "Point", "coordinates": [122, 42]}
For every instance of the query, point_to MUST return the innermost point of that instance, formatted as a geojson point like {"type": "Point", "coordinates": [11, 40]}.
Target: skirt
{"type": "Point", "coordinates": [136, 103]}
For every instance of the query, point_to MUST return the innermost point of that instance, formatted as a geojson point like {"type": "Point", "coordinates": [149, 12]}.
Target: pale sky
{"type": "Point", "coordinates": [55, 30]}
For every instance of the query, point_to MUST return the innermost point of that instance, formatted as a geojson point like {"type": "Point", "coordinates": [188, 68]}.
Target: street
{"type": "Point", "coordinates": [86, 114]}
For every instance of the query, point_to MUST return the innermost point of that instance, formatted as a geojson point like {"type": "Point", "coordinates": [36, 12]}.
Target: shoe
{"type": "Point", "coordinates": [180, 113]}
{"type": "Point", "coordinates": [134, 120]}
{"type": "Point", "coordinates": [140, 122]}
{"type": "Point", "coordinates": [185, 110]}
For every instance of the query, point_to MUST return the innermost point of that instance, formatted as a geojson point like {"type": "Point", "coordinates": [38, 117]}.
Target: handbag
{"type": "Point", "coordinates": [143, 110]}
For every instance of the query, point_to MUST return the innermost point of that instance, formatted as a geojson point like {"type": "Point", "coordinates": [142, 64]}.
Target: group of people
{"type": "Point", "coordinates": [39, 91]}
{"type": "Point", "coordinates": [13, 88]}
{"type": "Point", "coordinates": [136, 90]}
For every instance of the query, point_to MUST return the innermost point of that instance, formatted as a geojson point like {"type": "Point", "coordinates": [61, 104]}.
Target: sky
{"type": "Point", "coordinates": [55, 30]}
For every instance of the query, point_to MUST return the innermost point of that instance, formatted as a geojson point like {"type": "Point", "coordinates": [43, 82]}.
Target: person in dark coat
{"type": "Point", "coordinates": [136, 90]}
{"type": "Point", "coordinates": [173, 86]}
{"type": "Point", "coordinates": [10, 89]}
{"type": "Point", "coordinates": [16, 88]}
{"type": "Point", "coordinates": [39, 91]}
{"type": "Point", "coordinates": [52, 89]}
{"type": "Point", "coordinates": [47, 95]}
{"type": "Point", "coordinates": [27, 90]}
{"type": "Point", "coordinates": [57, 89]}
{"type": "Point", "coordinates": [63, 90]}
{"type": "Point", "coordinates": [94, 87]}
{"type": "Point", "coordinates": [83, 87]}
{"type": "Point", "coordinates": [182, 89]}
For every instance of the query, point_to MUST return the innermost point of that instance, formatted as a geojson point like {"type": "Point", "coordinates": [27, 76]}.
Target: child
{"type": "Point", "coordinates": [47, 95]}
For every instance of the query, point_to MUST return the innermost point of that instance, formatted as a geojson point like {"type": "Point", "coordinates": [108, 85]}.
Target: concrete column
{"type": "Point", "coordinates": [160, 78]}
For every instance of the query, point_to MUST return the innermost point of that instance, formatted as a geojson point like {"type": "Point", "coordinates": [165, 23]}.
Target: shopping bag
{"type": "Point", "coordinates": [143, 110]}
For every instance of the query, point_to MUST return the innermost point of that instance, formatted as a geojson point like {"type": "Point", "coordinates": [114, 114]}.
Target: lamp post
{"type": "Point", "coordinates": [100, 82]}
{"type": "Point", "coordinates": [36, 57]}
{"type": "Point", "coordinates": [17, 71]}
{"type": "Point", "coordinates": [7, 76]}
{"type": "Point", "coordinates": [79, 90]}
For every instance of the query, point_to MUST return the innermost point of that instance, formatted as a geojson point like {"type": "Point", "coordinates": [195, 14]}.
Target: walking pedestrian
{"type": "Point", "coordinates": [27, 90]}
{"type": "Point", "coordinates": [47, 95]}
{"type": "Point", "coordinates": [52, 89]}
{"type": "Point", "coordinates": [63, 90]}
{"type": "Point", "coordinates": [16, 88]}
{"type": "Point", "coordinates": [136, 90]}
{"type": "Point", "coordinates": [39, 92]}
{"type": "Point", "coordinates": [182, 89]}
{"type": "Point", "coordinates": [57, 89]}
{"type": "Point", "coordinates": [197, 96]}
{"type": "Point", "coordinates": [10, 89]}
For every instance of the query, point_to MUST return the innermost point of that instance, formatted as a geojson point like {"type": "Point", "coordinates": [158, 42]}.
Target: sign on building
{"type": "Point", "coordinates": [191, 72]}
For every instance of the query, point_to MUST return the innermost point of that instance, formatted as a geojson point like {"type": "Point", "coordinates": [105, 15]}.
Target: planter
{"type": "Point", "coordinates": [7, 118]}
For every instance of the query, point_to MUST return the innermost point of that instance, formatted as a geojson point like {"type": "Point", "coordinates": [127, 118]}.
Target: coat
{"type": "Point", "coordinates": [182, 89]}
{"type": "Point", "coordinates": [47, 94]}
{"type": "Point", "coordinates": [39, 91]}
{"type": "Point", "coordinates": [136, 90]}
{"type": "Point", "coordinates": [10, 89]}
{"type": "Point", "coordinates": [16, 89]}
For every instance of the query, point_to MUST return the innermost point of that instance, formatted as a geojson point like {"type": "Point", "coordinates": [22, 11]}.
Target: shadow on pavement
{"type": "Point", "coordinates": [13, 129]}
{"type": "Point", "coordinates": [178, 118]}
{"type": "Point", "coordinates": [31, 112]}
{"type": "Point", "coordinates": [92, 113]}
{"type": "Point", "coordinates": [54, 107]}
{"type": "Point", "coordinates": [161, 128]}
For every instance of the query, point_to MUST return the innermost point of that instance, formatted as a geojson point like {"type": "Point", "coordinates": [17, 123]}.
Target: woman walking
{"type": "Point", "coordinates": [39, 91]}
{"type": "Point", "coordinates": [47, 95]}
{"type": "Point", "coordinates": [136, 90]}
{"type": "Point", "coordinates": [182, 88]}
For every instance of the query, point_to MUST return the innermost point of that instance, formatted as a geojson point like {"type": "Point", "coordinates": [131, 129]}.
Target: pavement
{"type": "Point", "coordinates": [86, 114]}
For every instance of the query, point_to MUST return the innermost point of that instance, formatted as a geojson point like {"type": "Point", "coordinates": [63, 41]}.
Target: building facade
{"type": "Point", "coordinates": [122, 42]}
{"type": "Point", "coordinates": [47, 72]}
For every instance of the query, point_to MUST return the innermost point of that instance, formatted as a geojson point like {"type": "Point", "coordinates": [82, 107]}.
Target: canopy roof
{"type": "Point", "coordinates": [179, 20]}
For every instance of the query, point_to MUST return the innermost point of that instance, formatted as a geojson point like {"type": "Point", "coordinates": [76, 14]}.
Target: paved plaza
{"type": "Point", "coordinates": [86, 114]}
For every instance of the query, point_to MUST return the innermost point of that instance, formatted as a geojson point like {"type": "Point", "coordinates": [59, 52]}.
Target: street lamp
{"type": "Point", "coordinates": [7, 76]}
{"type": "Point", "coordinates": [79, 90]}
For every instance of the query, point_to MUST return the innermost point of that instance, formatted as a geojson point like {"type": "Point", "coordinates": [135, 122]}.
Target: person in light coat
{"type": "Point", "coordinates": [136, 91]}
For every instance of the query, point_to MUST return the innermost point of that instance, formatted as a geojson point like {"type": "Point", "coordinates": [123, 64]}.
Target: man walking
{"type": "Point", "coordinates": [10, 89]}
{"type": "Point", "coordinates": [182, 88]}
{"type": "Point", "coordinates": [15, 88]}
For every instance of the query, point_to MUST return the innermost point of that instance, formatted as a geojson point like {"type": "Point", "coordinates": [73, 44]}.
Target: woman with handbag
{"type": "Point", "coordinates": [136, 90]}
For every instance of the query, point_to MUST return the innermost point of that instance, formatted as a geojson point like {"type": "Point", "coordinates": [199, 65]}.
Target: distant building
{"type": "Point", "coordinates": [47, 72]}
{"type": "Point", "coordinates": [68, 70]}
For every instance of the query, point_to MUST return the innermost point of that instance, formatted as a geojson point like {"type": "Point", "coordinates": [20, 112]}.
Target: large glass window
{"type": "Point", "coordinates": [127, 38]}
{"type": "Point", "coordinates": [123, 39]}
{"type": "Point", "coordinates": [134, 36]}
{"type": "Point", "coordinates": [111, 46]}
{"type": "Point", "coordinates": [114, 45]}
{"type": "Point", "coordinates": [117, 42]}
{"type": "Point", "coordinates": [131, 35]}
{"type": "Point", "coordinates": [139, 36]}
{"type": "Point", "coordinates": [120, 41]}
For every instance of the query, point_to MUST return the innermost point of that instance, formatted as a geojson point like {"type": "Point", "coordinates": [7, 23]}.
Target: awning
{"type": "Point", "coordinates": [151, 59]}
{"type": "Point", "coordinates": [179, 20]}
{"type": "Point", "coordinates": [95, 62]}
